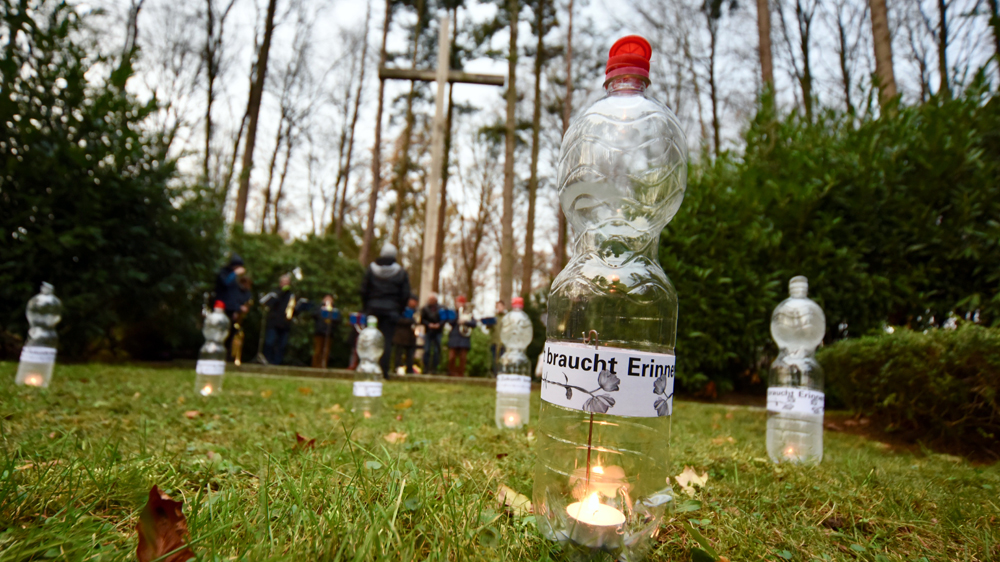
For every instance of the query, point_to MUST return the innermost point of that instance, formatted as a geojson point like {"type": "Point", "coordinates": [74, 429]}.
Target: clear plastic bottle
{"type": "Point", "coordinates": [38, 356]}
{"type": "Point", "coordinates": [602, 479]}
{"type": "Point", "coordinates": [795, 385]}
{"type": "Point", "coordinates": [211, 366]}
{"type": "Point", "coordinates": [514, 379]}
{"type": "Point", "coordinates": [368, 376]}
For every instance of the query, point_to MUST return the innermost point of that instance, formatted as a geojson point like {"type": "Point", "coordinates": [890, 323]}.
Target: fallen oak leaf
{"type": "Point", "coordinates": [266, 393]}
{"type": "Point", "coordinates": [163, 531]}
{"type": "Point", "coordinates": [305, 390]}
{"type": "Point", "coordinates": [688, 479]}
{"type": "Point", "coordinates": [404, 404]}
{"type": "Point", "coordinates": [395, 437]}
{"type": "Point", "coordinates": [517, 504]}
{"type": "Point", "coordinates": [335, 409]}
{"type": "Point", "coordinates": [39, 465]}
{"type": "Point", "coordinates": [191, 414]}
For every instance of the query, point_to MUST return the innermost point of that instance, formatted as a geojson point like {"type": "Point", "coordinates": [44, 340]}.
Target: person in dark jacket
{"type": "Point", "coordinates": [326, 330]}
{"type": "Point", "coordinates": [232, 295]}
{"type": "Point", "coordinates": [404, 341]}
{"type": "Point", "coordinates": [384, 293]}
{"type": "Point", "coordinates": [283, 307]}
{"type": "Point", "coordinates": [430, 318]}
{"type": "Point", "coordinates": [460, 338]}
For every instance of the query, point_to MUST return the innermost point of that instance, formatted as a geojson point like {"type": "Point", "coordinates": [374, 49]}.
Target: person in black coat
{"type": "Point", "coordinates": [325, 331]}
{"type": "Point", "coordinates": [430, 317]}
{"type": "Point", "coordinates": [233, 296]}
{"type": "Point", "coordinates": [384, 293]}
{"type": "Point", "coordinates": [283, 307]}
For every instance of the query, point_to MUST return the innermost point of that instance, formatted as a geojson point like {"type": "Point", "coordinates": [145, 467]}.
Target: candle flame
{"type": "Point", "coordinates": [206, 390]}
{"type": "Point", "coordinates": [33, 380]}
{"type": "Point", "coordinates": [597, 470]}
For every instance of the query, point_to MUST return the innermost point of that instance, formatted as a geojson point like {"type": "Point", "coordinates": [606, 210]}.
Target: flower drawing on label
{"type": "Point", "coordinates": [597, 403]}
{"type": "Point", "coordinates": [662, 404]}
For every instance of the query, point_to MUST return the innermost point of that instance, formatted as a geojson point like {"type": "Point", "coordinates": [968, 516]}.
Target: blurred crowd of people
{"type": "Point", "coordinates": [410, 333]}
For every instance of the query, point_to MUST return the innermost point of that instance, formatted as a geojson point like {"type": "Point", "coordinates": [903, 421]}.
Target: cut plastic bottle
{"type": "Point", "coordinates": [368, 376]}
{"type": "Point", "coordinates": [795, 399]}
{"type": "Point", "coordinates": [211, 366]}
{"type": "Point", "coordinates": [38, 356]}
{"type": "Point", "coordinates": [513, 409]}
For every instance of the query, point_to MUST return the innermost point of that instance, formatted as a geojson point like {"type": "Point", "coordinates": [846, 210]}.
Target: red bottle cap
{"type": "Point", "coordinates": [517, 302]}
{"type": "Point", "coordinates": [220, 304]}
{"type": "Point", "coordinates": [629, 55]}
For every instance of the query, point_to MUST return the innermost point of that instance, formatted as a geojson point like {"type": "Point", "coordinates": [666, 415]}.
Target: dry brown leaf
{"type": "Point", "coordinates": [162, 530]}
{"type": "Point", "coordinates": [266, 393]}
{"type": "Point", "coordinates": [191, 414]}
{"type": "Point", "coordinates": [404, 404]}
{"type": "Point", "coordinates": [136, 395]}
{"type": "Point", "coordinates": [517, 504]}
{"type": "Point", "coordinates": [729, 415]}
{"type": "Point", "coordinates": [303, 443]}
{"type": "Point", "coordinates": [721, 440]}
{"type": "Point", "coordinates": [688, 479]}
{"type": "Point", "coordinates": [395, 437]}
{"type": "Point", "coordinates": [39, 465]}
{"type": "Point", "coordinates": [399, 417]}
{"type": "Point", "coordinates": [305, 390]}
{"type": "Point", "coordinates": [335, 409]}
{"type": "Point", "coordinates": [180, 399]}
{"type": "Point", "coordinates": [52, 435]}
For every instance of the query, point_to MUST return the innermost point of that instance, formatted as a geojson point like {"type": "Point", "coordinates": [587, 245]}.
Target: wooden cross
{"type": "Point", "coordinates": [442, 75]}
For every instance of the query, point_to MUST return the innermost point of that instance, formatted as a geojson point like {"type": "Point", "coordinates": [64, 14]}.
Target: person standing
{"type": "Point", "coordinates": [460, 338]}
{"type": "Point", "coordinates": [233, 297]}
{"type": "Point", "coordinates": [430, 317]}
{"type": "Point", "coordinates": [384, 293]}
{"type": "Point", "coordinates": [283, 307]}
{"type": "Point", "coordinates": [327, 327]}
{"type": "Point", "coordinates": [405, 340]}
{"type": "Point", "coordinates": [496, 345]}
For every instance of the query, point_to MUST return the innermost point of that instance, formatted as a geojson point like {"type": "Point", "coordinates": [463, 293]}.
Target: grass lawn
{"type": "Point", "coordinates": [78, 461]}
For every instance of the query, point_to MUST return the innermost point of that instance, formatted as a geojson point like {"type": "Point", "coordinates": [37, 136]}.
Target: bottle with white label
{"type": "Point", "coordinates": [368, 376]}
{"type": "Point", "coordinates": [38, 356]}
{"type": "Point", "coordinates": [602, 478]}
{"type": "Point", "coordinates": [211, 366]}
{"type": "Point", "coordinates": [514, 379]}
{"type": "Point", "coordinates": [795, 385]}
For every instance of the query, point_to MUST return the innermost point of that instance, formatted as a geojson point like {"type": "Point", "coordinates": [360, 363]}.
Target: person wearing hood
{"type": "Point", "coordinates": [232, 295]}
{"type": "Point", "coordinates": [283, 305]}
{"type": "Point", "coordinates": [385, 291]}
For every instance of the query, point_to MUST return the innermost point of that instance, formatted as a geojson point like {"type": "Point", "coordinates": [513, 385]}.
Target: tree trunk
{"type": "Point", "coordinates": [713, 33]}
{"type": "Point", "coordinates": [366, 243]}
{"type": "Point", "coordinates": [342, 208]}
{"type": "Point", "coordinates": [528, 264]}
{"type": "Point", "coordinates": [567, 112]}
{"type": "Point", "coordinates": [995, 25]}
{"type": "Point", "coordinates": [210, 83]}
{"type": "Point", "coordinates": [345, 112]}
{"type": "Point", "coordinates": [289, 142]}
{"type": "Point", "coordinates": [804, 20]}
{"type": "Point", "coordinates": [845, 70]}
{"type": "Point", "coordinates": [278, 140]}
{"type": "Point", "coordinates": [942, 46]}
{"type": "Point", "coordinates": [507, 226]}
{"type": "Point", "coordinates": [883, 52]}
{"type": "Point", "coordinates": [253, 112]}
{"type": "Point", "coordinates": [403, 163]}
{"type": "Point", "coordinates": [764, 41]}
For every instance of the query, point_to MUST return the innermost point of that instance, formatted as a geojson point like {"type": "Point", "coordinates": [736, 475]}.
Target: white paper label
{"type": "Point", "coordinates": [788, 400]}
{"type": "Point", "coordinates": [608, 380]}
{"type": "Point", "coordinates": [33, 354]}
{"type": "Point", "coordinates": [513, 384]}
{"type": "Point", "coordinates": [368, 389]}
{"type": "Point", "coordinates": [210, 367]}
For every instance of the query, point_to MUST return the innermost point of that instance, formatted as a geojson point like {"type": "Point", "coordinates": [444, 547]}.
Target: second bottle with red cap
{"type": "Point", "coordinates": [211, 365]}
{"type": "Point", "coordinates": [514, 380]}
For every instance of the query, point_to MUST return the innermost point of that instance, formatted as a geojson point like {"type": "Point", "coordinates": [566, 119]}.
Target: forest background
{"type": "Point", "coordinates": [851, 141]}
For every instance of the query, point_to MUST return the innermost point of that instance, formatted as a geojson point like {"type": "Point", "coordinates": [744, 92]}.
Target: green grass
{"type": "Point", "coordinates": [78, 461]}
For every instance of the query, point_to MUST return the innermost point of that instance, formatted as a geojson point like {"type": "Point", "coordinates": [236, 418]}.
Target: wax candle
{"type": "Point", "coordinates": [34, 380]}
{"type": "Point", "coordinates": [511, 419]}
{"type": "Point", "coordinates": [592, 512]}
{"type": "Point", "coordinates": [206, 390]}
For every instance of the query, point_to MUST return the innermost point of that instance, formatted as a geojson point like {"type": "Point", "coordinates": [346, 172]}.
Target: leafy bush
{"type": "Point", "coordinates": [88, 199]}
{"type": "Point", "coordinates": [893, 220]}
{"type": "Point", "coordinates": [939, 383]}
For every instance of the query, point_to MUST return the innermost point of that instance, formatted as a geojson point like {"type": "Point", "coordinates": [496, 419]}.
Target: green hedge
{"type": "Point", "coordinates": [938, 384]}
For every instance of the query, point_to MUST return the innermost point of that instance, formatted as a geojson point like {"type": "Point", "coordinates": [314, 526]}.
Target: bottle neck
{"type": "Point", "coordinates": [626, 84]}
{"type": "Point", "coordinates": [618, 244]}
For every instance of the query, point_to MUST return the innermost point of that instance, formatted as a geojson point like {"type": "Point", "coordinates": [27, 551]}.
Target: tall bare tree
{"type": "Point", "coordinates": [258, 76]}
{"type": "Point", "coordinates": [369, 237]}
{"type": "Point", "coordinates": [507, 219]}
{"type": "Point", "coordinates": [883, 51]}
{"type": "Point", "coordinates": [994, 21]}
{"type": "Point", "coordinates": [764, 43]}
{"type": "Point", "coordinates": [400, 179]}
{"type": "Point", "coordinates": [847, 19]}
{"type": "Point", "coordinates": [346, 169]}
{"type": "Point", "coordinates": [567, 113]}
{"type": "Point", "coordinates": [940, 31]}
{"type": "Point", "coordinates": [215, 24]}
{"type": "Point", "coordinates": [799, 46]}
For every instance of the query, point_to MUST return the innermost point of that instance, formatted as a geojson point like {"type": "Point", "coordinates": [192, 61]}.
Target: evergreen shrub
{"type": "Point", "coordinates": [937, 384]}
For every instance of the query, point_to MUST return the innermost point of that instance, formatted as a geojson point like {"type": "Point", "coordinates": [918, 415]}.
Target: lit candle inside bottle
{"type": "Point", "coordinates": [511, 419]}
{"type": "Point", "coordinates": [792, 453]}
{"type": "Point", "coordinates": [34, 380]}
{"type": "Point", "coordinates": [592, 512]}
{"type": "Point", "coordinates": [206, 390]}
